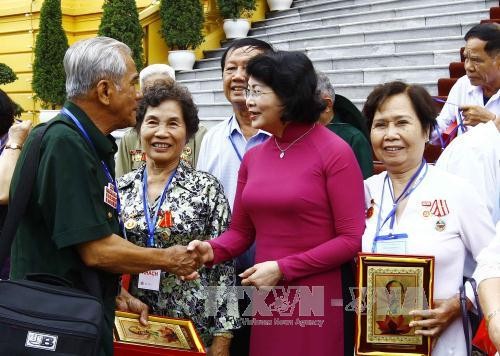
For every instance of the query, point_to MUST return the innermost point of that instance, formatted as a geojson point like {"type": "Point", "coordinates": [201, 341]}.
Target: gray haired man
{"type": "Point", "coordinates": [71, 223]}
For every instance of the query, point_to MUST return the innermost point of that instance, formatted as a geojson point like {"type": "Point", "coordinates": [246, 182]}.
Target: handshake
{"type": "Point", "coordinates": [184, 261]}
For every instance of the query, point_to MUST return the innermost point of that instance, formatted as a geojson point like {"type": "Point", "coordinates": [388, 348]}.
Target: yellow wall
{"type": "Point", "coordinates": [19, 24]}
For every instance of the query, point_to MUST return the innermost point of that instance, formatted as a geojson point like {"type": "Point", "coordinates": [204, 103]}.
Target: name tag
{"type": "Point", "coordinates": [150, 280]}
{"type": "Point", "coordinates": [393, 244]}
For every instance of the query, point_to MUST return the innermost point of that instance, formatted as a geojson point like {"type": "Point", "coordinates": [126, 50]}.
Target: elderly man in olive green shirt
{"type": "Point", "coordinates": [73, 220]}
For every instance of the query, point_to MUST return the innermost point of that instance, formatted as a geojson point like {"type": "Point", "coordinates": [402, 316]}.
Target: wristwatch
{"type": "Point", "coordinates": [13, 146]}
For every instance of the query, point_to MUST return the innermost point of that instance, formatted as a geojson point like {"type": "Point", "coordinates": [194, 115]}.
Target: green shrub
{"type": "Point", "coordinates": [7, 75]}
{"type": "Point", "coordinates": [120, 20]}
{"type": "Point", "coordinates": [182, 23]}
{"type": "Point", "coordinates": [235, 9]}
{"type": "Point", "coordinates": [49, 79]}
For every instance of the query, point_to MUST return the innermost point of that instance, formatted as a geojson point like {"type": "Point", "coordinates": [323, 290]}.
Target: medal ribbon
{"type": "Point", "coordinates": [152, 221]}
{"type": "Point", "coordinates": [408, 189]}
{"type": "Point", "coordinates": [105, 168]}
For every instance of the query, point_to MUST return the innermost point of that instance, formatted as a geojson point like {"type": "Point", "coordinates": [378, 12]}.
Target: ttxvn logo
{"type": "Point", "coordinates": [41, 341]}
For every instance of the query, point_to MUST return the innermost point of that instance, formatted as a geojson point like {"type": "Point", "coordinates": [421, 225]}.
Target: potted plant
{"type": "Point", "coordinates": [276, 5]}
{"type": "Point", "coordinates": [49, 79]}
{"type": "Point", "coordinates": [233, 11]}
{"type": "Point", "coordinates": [7, 76]}
{"type": "Point", "coordinates": [120, 20]}
{"type": "Point", "coordinates": [182, 29]}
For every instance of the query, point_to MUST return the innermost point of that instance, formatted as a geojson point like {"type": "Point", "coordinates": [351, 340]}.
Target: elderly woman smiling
{"type": "Point", "coordinates": [421, 210]}
{"type": "Point", "coordinates": [165, 203]}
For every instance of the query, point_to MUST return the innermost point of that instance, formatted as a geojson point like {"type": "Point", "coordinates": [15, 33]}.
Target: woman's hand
{"type": "Point", "coordinates": [436, 320]}
{"type": "Point", "coordinates": [125, 302]}
{"type": "Point", "coordinates": [220, 346]}
{"type": "Point", "coordinates": [205, 253]}
{"type": "Point", "coordinates": [203, 249]}
{"type": "Point", "coordinates": [19, 131]}
{"type": "Point", "coordinates": [262, 275]}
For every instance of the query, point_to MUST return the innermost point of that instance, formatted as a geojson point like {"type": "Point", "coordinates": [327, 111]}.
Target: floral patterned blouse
{"type": "Point", "coordinates": [195, 207]}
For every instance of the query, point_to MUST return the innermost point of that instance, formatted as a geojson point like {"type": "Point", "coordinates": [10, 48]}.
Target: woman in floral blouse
{"type": "Point", "coordinates": [182, 204]}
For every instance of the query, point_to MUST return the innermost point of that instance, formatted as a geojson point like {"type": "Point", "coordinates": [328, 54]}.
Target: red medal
{"type": "Point", "coordinates": [165, 219]}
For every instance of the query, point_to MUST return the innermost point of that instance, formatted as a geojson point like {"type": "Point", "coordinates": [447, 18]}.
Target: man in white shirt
{"type": "Point", "coordinates": [224, 146]}
{"type": "Point", "coordinates": [475, 155]}
{"type": "Point", "coordinates": [476, 96]}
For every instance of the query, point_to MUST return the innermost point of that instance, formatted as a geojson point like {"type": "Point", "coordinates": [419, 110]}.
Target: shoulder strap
{"type": "Point", "coordinates": [20, 200]}
{"type": "Point", "coordinates": [465, 316]}
{"type": "Point", "coordinates": [21, 196]}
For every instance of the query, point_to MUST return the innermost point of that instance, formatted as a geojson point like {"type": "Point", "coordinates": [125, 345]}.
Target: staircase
{"type": "Point", "coordinates": [357, 43]}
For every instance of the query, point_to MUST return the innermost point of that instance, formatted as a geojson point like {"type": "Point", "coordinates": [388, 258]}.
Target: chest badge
{"type": "Point", "coordinates": [439, 208]}
{"type": "Point", "coordinates": [130, 224]}
{"type": "Point", "coordinates": [110, 196]}
{"type": "Point", "coordinates": [440, 225]}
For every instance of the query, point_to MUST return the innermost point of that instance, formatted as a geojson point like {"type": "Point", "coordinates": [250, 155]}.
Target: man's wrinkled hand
{"type": "Point", "coordinates": [181, 261]}
{"type": "Point", "coordinates": [474, 114]}
{"type": "Point", "coordinates": [125, 302]}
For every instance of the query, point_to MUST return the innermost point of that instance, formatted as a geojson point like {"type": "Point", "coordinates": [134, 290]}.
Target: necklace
{"type": "Point", "coordinates": [282, 151]}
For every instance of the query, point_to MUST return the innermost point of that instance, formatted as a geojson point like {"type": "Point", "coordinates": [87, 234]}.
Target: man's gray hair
{"type": "Point", "coordinates": [88, 61]}
{"type": "Point", "coordinates": [325, 86]}
{"type": "Point", "coordinates": [154, 69]}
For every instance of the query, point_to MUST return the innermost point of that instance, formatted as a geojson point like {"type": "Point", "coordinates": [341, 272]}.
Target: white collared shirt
{"type": "Point", "coordinates": [461, 225]}
{"type": "Point", "coordinates": [464, 93]}
{"type": "Point", "coordinates": [475, 156]}
{"type": "Point", "coordinates": [218, 156]}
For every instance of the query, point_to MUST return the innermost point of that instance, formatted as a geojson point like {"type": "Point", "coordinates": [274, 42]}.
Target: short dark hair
{"type": "Point", "coordinates": [488, 32]}
{"type": "Point", "coordinates": [7, 112]}
{"type": "Point", "coordinates": [422, 102]}
{"type": "Point", "coordinates": [156, 94]}
{"type": "Point", "coordinates": [292, 77]}
{"type": "Point", "coordinates": [253, 43]}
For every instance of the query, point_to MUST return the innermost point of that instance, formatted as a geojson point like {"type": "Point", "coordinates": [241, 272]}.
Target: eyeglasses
{"type": "Point", "coordinates": [249, 93]}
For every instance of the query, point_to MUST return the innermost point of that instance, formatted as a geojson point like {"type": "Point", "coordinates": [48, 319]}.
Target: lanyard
{"type": "Point", "coordinates": [235, 149]}
{"type": "Point", "coordinates": [232, 142]}
{"type": "Point", "coordinates": [151, 221]}
{"type": "Point", "coordinates": [409, 188]}
{"type": "Point", "coordinates": [104, 165]}
{"type": "Point", "coordinates": [460, 124]}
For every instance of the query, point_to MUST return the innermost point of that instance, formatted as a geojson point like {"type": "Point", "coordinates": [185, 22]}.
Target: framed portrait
{"type": "Point", "coordinates": [389, 287]}
{"type": "Point", "coordinates": [176, 335]}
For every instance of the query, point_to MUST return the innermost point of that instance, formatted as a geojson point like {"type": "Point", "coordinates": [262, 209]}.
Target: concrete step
{"type": "Point", "coordinates": [301, 39]}
{"type": "Point", "coordinates": [354, 91]}
{"type": "Point", "coordinates": [360, 48]}
{"type": "Point", "coordinates": [349, 76]}
{"type": "Point", "coordinates": [345, 57]}
{"type": "Point", "coordinates": [328, 35]}
{"type": "Point", "coordinates": [375, 25]}
{"type": "Point", "coordinates": [368, 13]}
{"type": "Point", "coordinates": [346, 8]}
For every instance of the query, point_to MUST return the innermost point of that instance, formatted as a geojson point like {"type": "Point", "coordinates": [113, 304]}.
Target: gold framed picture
{"type": "Point", "coordinates": [389, 287]}
{"type": "Point", "coordinates": [161, 332]}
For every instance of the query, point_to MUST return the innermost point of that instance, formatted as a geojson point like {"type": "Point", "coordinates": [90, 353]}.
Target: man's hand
{"type": "Point", "coordinates": [262, 275]}
{"type": "Point", "coordinates": [19, 131]}
{"type": "Point", "coordinates": [181, 261]}
{"type": "Point", "coordinates": [436, 320]}
{"type": "Point", "coordinates": [474, 114]}
{"type": "Point", "coordinates": [125, 302]}
{"type": "Point", "coordinates": [220, 346]}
